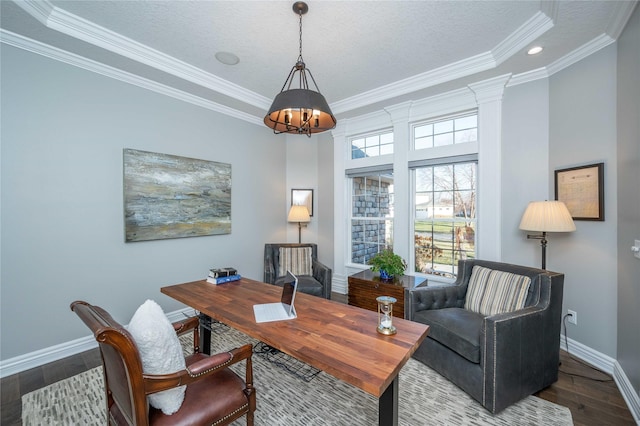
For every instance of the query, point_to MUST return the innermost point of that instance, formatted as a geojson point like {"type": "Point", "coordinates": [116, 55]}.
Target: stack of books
{"type": "Point", "coordinates": [222, 275]}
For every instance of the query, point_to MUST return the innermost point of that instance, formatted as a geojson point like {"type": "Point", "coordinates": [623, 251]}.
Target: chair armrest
{"type": "Point", "coordinates": [200, 369]}
{"type": "Point", "coordinates": [186, 324]}
{"type": "Point", "coordinates": [189, 324]}
{"type": "Point", "coordinates": [521, 349]}
{"type": "Point", "coordinates": [322, 273]}
{"type": "Point", "coordinates": [424, 298]}
{"type": "Point", "coordinates": [512, 354]}
{"type": "Point", "coordinates": [270, 272]}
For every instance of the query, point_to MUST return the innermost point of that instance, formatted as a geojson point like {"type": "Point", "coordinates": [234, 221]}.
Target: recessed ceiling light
{"type": "Point", "coordinates": [227, 58]}
{"type": "Point", "coordinates": [534, 50]}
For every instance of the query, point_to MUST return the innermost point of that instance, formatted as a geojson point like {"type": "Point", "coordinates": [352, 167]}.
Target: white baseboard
{"type": "Point", "coordinates": [53, 353]}
{"type": "Point", "coordinates": [599, 360]}
{"type": "Point", "coordinates": [628, 393]}
{"type": "Point", "coordinates": [339, 284]}
{"type": "Point", "coordinates": [608, 365]}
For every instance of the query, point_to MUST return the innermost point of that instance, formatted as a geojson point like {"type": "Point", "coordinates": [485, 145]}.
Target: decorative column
{"type": "Point", "coordinates": [489, 233]}
{"type": "Point", "coordinates": [402, 241]}
{"type": "Point", "coordinates": [340, 242]}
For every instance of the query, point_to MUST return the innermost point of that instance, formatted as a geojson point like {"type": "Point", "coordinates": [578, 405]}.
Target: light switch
{"type": "Point", "coordinates": [636, 249]}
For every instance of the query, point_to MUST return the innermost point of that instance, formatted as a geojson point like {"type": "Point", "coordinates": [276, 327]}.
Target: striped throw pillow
{"type": "Point", "coordinates": [475, 289]}
{"type": "Point", "coordinates": [496, 292]}
{"type": "Point", "coordinates": [295, 259]}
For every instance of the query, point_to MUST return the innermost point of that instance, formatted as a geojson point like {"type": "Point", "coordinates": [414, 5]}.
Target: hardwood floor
{"type": "Point", "coordinates": [592, 396]}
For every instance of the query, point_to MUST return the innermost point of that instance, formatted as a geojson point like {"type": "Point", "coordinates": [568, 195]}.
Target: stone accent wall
{"type": "Point", "coordinates": [370, 199]}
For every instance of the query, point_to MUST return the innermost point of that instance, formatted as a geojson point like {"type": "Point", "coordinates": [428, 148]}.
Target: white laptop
{"type": "Point", "coordinates": [282, 310]}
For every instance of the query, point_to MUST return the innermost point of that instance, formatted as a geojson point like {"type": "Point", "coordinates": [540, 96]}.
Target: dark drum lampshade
{"type": "Point", "coordinates": [300, 110]}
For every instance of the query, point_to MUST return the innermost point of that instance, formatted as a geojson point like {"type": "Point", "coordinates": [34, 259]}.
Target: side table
{"type": "Point", "coordinates": [365, 286]}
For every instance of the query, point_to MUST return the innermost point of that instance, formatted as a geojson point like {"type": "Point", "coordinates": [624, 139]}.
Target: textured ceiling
{"type": "Point", "coordinates": [361, 53]}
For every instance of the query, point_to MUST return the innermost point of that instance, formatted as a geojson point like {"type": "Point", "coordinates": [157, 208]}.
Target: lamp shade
{"type": "Point", "coordinates": [299, 214]}
{"type": "Point", "coordinates": [300, 111]}
{"type": "Point", "coordinates": [547, 216]}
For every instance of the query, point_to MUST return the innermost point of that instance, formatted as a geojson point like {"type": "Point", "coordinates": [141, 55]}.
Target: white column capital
{"type": "Point", "coordinates": [399, 112]}
{"type": "Point", "coordinates": [490, 90]}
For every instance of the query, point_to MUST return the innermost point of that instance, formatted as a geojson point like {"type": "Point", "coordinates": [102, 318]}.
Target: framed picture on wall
{"type": "Point", "coordinates": [581, 189]}
{"type": "Point", "coordinates": [303, 197]}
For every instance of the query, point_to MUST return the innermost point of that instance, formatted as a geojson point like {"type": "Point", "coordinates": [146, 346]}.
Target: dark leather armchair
{"type": "Point", "coordinates": [497, 359]}
{"type": "Point", "coordinates": [214, 394]}
{"type": "Point", "coordinates": [317, 284]}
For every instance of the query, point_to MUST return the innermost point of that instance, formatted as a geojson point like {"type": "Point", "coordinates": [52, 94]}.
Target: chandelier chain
{"type": "Point", "coordinates": [300, 35]}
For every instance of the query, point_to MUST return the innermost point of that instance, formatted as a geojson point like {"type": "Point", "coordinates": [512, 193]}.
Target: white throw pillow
{"type": "Point", "coordinates": [160, 351]}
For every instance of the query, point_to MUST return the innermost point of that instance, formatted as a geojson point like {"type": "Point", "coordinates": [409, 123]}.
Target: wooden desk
{"type": "Point", "coordinates": [339, 339]}
{"type": "Point", "coordinates": [366, 285]}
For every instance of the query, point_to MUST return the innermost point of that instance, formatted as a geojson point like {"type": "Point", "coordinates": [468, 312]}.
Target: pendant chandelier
{"type": "Point", "coordinates": [299, 110]}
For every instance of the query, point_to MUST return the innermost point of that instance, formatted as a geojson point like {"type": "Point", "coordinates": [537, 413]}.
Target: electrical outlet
{"type": "Point", "coordinates": [573, 316]}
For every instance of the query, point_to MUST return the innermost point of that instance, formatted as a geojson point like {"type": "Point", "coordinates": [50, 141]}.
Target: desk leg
{"type": "Point", "coordinates": [205, 334]}
{"type": "Point", "coordinates": [388, 405]}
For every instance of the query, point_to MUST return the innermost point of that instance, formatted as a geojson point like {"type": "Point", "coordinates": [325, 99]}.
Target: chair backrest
{"type": "Point", "coordinates": [534, 295]}
{"type": "Point", "coordinates": [272, 257]}
{"type": "Point", "coordinates": [122, 365]}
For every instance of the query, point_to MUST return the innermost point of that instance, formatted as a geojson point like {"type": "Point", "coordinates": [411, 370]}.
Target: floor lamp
{"type": "Point", "coordinates": [546, 216]}
{"type": "Point", "coordinates": [299, 214]}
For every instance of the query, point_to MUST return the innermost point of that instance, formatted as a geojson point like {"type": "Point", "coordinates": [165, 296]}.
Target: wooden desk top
{"type": "Point", "coordinates": [337, 338]}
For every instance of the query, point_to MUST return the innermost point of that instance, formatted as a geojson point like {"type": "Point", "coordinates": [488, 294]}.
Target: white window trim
{"type": "Point", "coordinates": [486, 96]}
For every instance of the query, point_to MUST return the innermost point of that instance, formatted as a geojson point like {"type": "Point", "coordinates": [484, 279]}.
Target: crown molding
{"type": "Point", "coordinates": [580, 53]}
{"type": "Point", "coordinates": [619, 18]}
{"type": "Point", "coordinates": [529, 76]}
{"type": "Point", "coordinates": [55, 53]}
{"type": "Point", "coordinates": [72, 25]}
{"type": "Point", "coordinates": [550, 8]}
{"type": "Point", "coordinates": [443, 103]}
{"type": "Point", "coordinates": [39, 9]}
{"type": "Point", "coordinates": [473, 65]}
{"type": "Point", "coordinates": [528, 32]}
{"type": "Point", "coordinates": [577, 55]}
{"type": "Point", "coordinates": [537, 25]}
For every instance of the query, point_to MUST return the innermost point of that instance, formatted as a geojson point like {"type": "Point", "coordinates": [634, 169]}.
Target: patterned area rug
{"type": "Point", "coordinates": [426, 398]}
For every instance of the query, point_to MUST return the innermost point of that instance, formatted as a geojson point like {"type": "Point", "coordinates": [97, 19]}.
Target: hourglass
{"type": "Point", "coordinates": [385, 315]}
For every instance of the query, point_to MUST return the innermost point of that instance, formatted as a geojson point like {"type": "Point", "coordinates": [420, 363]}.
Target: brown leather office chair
{"type": "Point", "coordinates": [215, 395]}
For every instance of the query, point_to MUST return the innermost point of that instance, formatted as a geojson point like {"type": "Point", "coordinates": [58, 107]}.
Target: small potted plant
{"type": "Point", "coordinates": [388, 264]}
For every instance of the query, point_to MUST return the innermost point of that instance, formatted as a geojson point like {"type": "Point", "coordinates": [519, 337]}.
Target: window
{"type": "Point", "coordinates": [445, 217]}
{"type": "Point", "coordinates": [371, 214]}
{"type": "Point", "coordinates": [447, 131]}
{"type": "Point", "coordinates": [372, 145]}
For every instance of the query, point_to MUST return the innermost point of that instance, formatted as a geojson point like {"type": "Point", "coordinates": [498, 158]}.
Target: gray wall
{"type": "Point", "coordinates": [325, 199]}
{"type": "Point", "coordinates": [628, 109]}
{"type": "Point", "coordinates": [63, 132]}
{"type": "Point", "coordinates": [582, 129]}
{"type": "Point", "coordinates": [525, 167]}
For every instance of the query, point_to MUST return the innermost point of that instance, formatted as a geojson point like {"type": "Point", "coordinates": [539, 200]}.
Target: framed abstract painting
{"type": "Point", "coordinates": [166, 196]}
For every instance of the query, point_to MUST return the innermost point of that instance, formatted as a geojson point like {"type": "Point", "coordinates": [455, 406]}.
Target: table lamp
{"type": "Point", "coordinates": [546, 216]}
